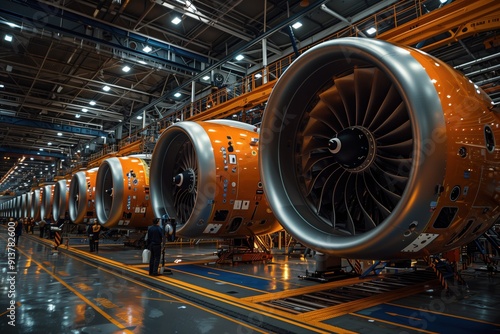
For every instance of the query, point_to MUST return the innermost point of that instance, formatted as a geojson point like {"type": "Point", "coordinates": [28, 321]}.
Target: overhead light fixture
{"type": "Point", "coordinates": [176, 20]}
{"type": "Point", "coordinates": [59, 89]}
{"type": "Point", "coordinates": [142, 62]}
{"type": "Point", "coordinates": [206, 77]}
{"type": "Point", "coordinates": [77, 115]}
{"type": "Point", "coordinates": [8, 38]}
{"type": "Point", "coordinates": [92, 103]}
{"type": "Point", "coordinates": [139, 117]}
{"type": "Point", "coordinates": [147, 49]}
{"type": "Point", "coordinates": [106, 88]}
{"type": "Point", "coordinates": [49, 143]}
{"type": "Point", "coordinates": [177, 94]}
{"type": "Point", "coordinates": [239, 57]}
{"type": "Point", "coordinates": [2, 86]}
{"type": "Point", "coordinates": [125, 68]}
{"type": "Point", "coordinates": [258, 75]}
{"type": "Point", "coordinates": [371, 31]}
{"type": "Point", "coordinates": [296, 25]}
{"type": "Point", "coordinates": [443, 1]}
{"type": "Point", "coordinates": [59, 134]}
{"type": "Point", "coordinates": [84, 110]}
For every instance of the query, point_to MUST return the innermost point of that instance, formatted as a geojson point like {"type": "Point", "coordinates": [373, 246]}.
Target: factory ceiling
{"type": "Point", "coordinates": [76, 74]}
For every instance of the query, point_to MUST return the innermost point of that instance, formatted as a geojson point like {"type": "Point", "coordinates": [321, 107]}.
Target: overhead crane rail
{"type": "Point", "coordinates": [405, 22]}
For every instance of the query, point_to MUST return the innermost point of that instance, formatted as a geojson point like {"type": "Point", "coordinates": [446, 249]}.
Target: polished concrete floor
{"type": "Point", "coordinates": [75, 291]}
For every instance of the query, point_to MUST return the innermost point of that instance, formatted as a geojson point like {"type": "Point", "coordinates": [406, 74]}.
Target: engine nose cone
{"type": "Point", "coordinates": [185, 180]}
{"type": "Point", "coordinates": [350, 148]}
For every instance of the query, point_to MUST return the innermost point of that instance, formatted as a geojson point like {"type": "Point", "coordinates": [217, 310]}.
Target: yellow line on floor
{"type": "Point", "coordinates": [79, 295]}
{"type": "Point", "coordinates": [445, 314]}
{"type": "Point", "coordinates": [393, 323]}
{"type": "Point", "coordinates": [175, 298]}
{"type": "Point", "coordinates": [296, 320]}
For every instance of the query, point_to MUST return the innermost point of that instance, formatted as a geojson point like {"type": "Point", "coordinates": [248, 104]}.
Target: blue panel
{"type": "Point", "coordinates": [231, 277]}
{"type": "Point", "coordinates": [426, 320]}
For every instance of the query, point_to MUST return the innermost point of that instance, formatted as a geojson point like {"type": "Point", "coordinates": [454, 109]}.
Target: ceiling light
{"type": "Point", "coordinates": [177, 94]}
{"type": "Point", "coordinates": [49, 143]}
{"type": "Point", "coordinates": [77, 115]}
{"type": "Point", "coordinates": [8, 38]}
{"type": "Point", "coordinates": [371, 31]}
{"type": "Point", "coordinates": [85, 109]}
{"type": "Point", "coordinates": [147, 49]}
{"type": "Point", "coordinates": [139, 117]}
{"type": "Point", "coordinates": [59, 133]}
{"type": "Point", "coordinates": [297, 25]}
{"type": "Point", "coordinates": [92, 103]}
{"type": "Point", "coordinates": [2, 86]}
{"type": "Point", "coordinates": [41, 149]}
{"type": "Point", "coordinates": [258, 75]}
{"type": "Point", "coordinates": [176, 20]}
{"type": "Point", "coordinates": [443, 1]}
{"type": "Point", "coordinates": [239, 57]}
{"type": "Point", "coordinates": [106, 88]}
{"type": "Point", "coordinates": [206, 77]}
{"type": "Point", "coordinates": [125, 68]}
{"type": "Point", "coordinates": [142, 62]}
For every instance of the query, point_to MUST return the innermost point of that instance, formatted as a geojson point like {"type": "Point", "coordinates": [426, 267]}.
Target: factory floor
{"type": "Point", "coordinates": [72, 290]}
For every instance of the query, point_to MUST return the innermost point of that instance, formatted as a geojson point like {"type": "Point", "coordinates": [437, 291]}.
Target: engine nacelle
{"type": "Point", "coordinates": [371, 150]}
{"type": "Point", "coordinates": [122, 193]}
{"type": "Point", "coordinates": [25, 204]}
{"type": "Point", "coordinates": [205, 175]}
{"type": "Point", "coordinates": [36, 203]}
{"type": "Point", "coordinates": [82, 196]}
{"type": "Point", "coordinates": [60, 200]}
{"type": "Point", "coordinates": [47, 200]}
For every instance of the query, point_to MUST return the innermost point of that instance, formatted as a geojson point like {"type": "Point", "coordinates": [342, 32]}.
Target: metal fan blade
{"type": "Point", "coordinates": [398, 117]}
{"type": "Point", "coordinates": [331, 97]}
{"type": "Point", "coordinates": [346, 89]}
{"type": "Point", "coordinates": [363, 84]}
{"type": "Point", "coordinates": [322, 112]}
{"type": "Point", "coordinates": [380, 86]}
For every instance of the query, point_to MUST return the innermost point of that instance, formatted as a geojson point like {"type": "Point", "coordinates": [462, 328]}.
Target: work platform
{"type": "Point", "coordinates": [75, 291]}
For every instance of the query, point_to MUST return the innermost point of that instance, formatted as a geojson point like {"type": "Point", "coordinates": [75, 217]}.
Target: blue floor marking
{"type": "Point", "coordinates": [423, 320]}
{"type": "Point", "coordinates": [235, 278]}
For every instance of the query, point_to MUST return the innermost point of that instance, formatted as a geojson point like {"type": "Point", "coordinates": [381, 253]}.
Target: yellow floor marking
{"type": "Point", "coordinates": [82, 297]}
{"type": "Point", "coordinates": [445, 314]}
{"type": "Point", "coordinates": [393, 323]}
{"type": "Point", "coordinates": [250, 328]}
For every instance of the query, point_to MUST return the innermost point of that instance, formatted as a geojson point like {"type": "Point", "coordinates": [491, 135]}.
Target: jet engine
{"type": "Point", "coordinates": [47, 200]}
{"type": "Point", "coordinates": [82, 196]}
{"type": "Point", "coordinates": [36, 201]}
{"type": "Point", "coordinates": [122, 192]}
{"type": "Point", "coordinates": [205, 176]}
{"type": "Point", "coordinates": [25, 204]}
{"type": "Point", "coordinates": [60, 200]}
{"type": "Point", "coordinates": [371, 150]}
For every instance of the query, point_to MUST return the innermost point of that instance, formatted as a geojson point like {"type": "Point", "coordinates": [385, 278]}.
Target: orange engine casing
{"type": "Point", "coordinates": [371, 150]}
{"type": "Point", "coordinates": [122, 193]}
{"type": "Point", "coordinates": [205, 175]}
{"type": "Point", "coordinates": [81, 203]}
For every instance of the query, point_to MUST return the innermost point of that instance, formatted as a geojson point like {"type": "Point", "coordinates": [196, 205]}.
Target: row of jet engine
{"type": "Point", "coordinates": [366, 150]}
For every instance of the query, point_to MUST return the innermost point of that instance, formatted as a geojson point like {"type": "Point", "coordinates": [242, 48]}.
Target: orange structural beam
{"type": "Point", "coordinates": [456, 21]}
{"type": "Point", "coordinates": [245, 101]}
